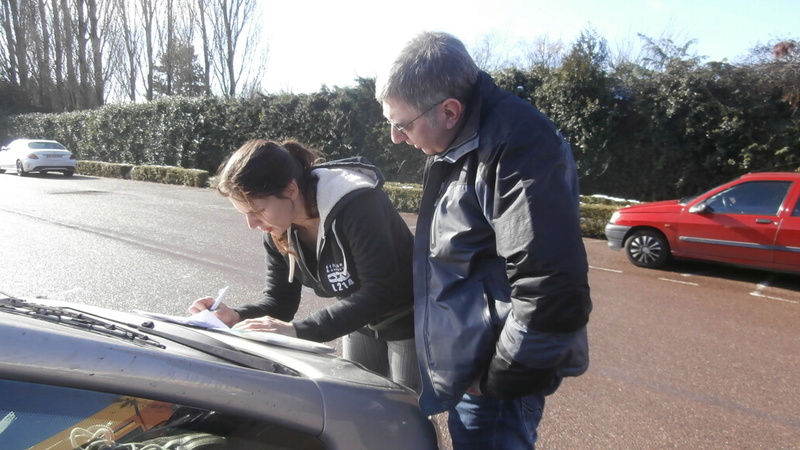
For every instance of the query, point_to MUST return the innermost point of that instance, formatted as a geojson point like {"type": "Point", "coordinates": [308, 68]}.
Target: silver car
{"type": "Point", "coordinates": [76, 376]}
{"type": "Point", "coordinates": [37, 155]}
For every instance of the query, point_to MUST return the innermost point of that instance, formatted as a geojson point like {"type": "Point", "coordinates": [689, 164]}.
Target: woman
{"type": "Point", "coordinates": [330, 227]}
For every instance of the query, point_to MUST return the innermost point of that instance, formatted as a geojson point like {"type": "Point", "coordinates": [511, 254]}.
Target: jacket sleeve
{"type": "Point", "coordinates": [280, 298]}
{"type": "Point", "coordinates": [377, 250]}
{"type": "Point", "coordinates": [534, 209]}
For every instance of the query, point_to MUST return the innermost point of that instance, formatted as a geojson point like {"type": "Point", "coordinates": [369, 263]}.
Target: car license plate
{"type": "Point", "coordinates": [53, 156]}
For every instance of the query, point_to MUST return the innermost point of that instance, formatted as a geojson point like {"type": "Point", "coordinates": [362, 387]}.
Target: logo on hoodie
{"type": "Point", "coordinates": [338, 277]}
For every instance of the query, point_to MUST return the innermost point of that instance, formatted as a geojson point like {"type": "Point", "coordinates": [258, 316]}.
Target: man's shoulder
{"type": "Point", "coordinates": [514, 124]}
{"type": "Point", "coordinates": [509, 108]}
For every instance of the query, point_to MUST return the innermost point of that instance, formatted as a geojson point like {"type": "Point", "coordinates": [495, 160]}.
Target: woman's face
{"type": "Point", "coordinates": [271, 214]}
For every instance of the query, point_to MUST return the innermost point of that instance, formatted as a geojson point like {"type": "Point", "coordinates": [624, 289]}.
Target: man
{"type": "Point", "coordinates": [501, 296]}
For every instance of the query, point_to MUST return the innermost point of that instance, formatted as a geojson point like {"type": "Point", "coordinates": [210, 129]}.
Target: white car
{"type": "Point", "coordinates": [37, 155]}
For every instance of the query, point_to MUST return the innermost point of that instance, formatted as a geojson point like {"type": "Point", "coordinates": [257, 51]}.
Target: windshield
{"type": "Point", "coordinates": [43, 145]}
{"type": "Point", "coordinates": [690, 198]}
{"type": "Point", "coordinates": [40, 416]}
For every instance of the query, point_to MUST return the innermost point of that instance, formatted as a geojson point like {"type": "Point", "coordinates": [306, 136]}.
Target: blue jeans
{"type": "Point", "coordinates": [480, 423]}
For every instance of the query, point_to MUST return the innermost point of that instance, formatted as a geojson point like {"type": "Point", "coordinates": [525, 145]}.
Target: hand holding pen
{"type": "Point", "coordinates": [223, 312]}
{"type": "Point", "coordinates": [220, 297]}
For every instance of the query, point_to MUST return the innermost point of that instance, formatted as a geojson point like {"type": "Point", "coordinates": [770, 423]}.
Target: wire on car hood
{"type": "Point", "coordinates": [73, 318]}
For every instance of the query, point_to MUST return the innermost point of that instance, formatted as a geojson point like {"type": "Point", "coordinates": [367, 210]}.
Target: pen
{"type": "Point", "coordinates": [220, 296]}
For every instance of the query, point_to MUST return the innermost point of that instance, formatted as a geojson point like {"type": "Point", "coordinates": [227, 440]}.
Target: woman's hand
{"type": "Point", "coordinates": [223, 312]}
{"type": "Point", "coordinates": [267, 324]}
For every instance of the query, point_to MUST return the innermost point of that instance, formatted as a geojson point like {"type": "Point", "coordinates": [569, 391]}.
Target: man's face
{"type": "Point", "coordinates": [431, 137]}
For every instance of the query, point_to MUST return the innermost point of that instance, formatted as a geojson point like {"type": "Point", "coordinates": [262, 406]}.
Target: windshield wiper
{"type": "Point", "coordinates": [141, 333]}
{"type": "Point", "coordinates": [74, 318]}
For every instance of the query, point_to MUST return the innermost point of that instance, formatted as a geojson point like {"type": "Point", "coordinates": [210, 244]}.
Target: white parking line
{"type": "Point", "coordinates": [679, 282]}
{"type": "Point", "coordinates": [759, 294]}
{"type": "Point", "coordinates": [604, 269]}
{"type": "Point", "coordinates": [765, 284]}
{"type": "Point", "coordinates": [703, 273]}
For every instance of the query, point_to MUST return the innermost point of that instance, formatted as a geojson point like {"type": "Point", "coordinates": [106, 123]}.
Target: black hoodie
{"type": "Point", "coordinates": [363, 258]}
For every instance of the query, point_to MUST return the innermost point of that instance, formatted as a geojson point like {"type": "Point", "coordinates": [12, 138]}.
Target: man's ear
{"type": "Point", "coordinates": [452, 112]}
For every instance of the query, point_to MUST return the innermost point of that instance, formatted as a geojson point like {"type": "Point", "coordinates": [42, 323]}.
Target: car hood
{"type": "Point", "coordinates": [87, 347]}
{"type": "Point", "coordinates": [667, 206]}
{"type": "Point", "coordinates": [143, 330]}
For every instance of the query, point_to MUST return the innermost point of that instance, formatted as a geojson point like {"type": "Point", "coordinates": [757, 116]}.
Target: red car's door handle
{"type": "Point", "coordinates": [763, 221]}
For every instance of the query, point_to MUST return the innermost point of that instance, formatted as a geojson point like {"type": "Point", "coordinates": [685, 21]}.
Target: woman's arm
{"type": "Point", "coordinates": [280, 298]}
{"type": "Point", "coordinates": [379, 244]}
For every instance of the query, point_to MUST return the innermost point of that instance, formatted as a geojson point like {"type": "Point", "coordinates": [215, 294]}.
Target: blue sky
{"type": "Point", "coordinates": [315, 42]}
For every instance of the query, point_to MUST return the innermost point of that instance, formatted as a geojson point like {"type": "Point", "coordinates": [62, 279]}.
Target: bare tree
{"type": "Point", "coordinates": [58, 57]}
{"type": "Point", "coordinates": [202, 23]}
{"type": "Point", "coordinates": [96, 22]}
{"type": "Point", "coordinates": [148, 17]}
{"type": "Point", "coordinates": [71, 84]}
{"type": "Point", "coordinates": [176, 37]}
{"type": "Point", "coordinates": [177, 71]}
{"type": "Point", "coordinates": [542, 52]}
{"type": "Point", "coordinates": [127, 47]}
{"type": "Point", "coordinates": [70, 54]}
{"type": "Point", "coordinates": [236, 29]}
{"type": "Point", "coordinates": [490, 53]}
{"type": "Point", "coordinates": [9, 56]}
{"type": "Point", "coordinates": [82, 22]}
{"type": "Point", "coordinates": [167, 38]}
{"type": "Point", "coordinates": [17, 42]}
{"type": "Point", "coordinates": [44, 59]}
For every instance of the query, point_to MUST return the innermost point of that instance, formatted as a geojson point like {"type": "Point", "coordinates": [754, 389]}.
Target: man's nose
{"type": "Point", "coordinates": [397, 136]}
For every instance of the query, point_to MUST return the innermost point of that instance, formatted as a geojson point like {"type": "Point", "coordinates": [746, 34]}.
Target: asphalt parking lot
{"type": "Point", "coordinates": [694, 356]}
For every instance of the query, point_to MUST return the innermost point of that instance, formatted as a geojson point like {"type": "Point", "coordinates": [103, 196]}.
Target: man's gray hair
{"type": "Point", "coordinates": [432, 67]}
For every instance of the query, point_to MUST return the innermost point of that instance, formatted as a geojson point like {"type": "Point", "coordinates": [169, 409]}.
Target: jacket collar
{"type": "Point", "coordinates": [468, 137]}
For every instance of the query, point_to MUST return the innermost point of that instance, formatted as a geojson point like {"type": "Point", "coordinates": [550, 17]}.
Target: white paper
{"type": "Point", "coordinates": [203, 319]}
{"type": "Point", "coordinates": [268, 337]}
{"type": "Point", "coordinates": [208, 320]}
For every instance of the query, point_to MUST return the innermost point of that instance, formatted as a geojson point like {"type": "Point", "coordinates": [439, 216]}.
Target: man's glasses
{"type": "Point", "coordinates": [401, 128]}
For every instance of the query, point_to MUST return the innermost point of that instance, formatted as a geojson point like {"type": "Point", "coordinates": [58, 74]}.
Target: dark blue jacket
{"type": "Point", "coordinates": [500, 271]}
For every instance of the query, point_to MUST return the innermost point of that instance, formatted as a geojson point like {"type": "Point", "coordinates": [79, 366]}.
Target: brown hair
{"type": "Point", "coordinates": [262, 168]}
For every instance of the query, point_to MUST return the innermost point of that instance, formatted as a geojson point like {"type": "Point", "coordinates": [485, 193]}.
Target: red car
{"type": "Point", "coordinates": [752, 221]}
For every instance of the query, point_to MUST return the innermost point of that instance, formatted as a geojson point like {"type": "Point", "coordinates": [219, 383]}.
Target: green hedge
{"type": "Point", "coordinates": [170, 175]}
{"type": "Point", "coordinates": [154, 174]}
{"type": "Point", "coordinates": [404, 196]}
{"type": "Point", "coordinates": [595, 211]}
{"type": "Point", "coordinates": [200, 132]}
{"type": "Point", "coordinates": [594, 218]}
{"type": "Point", "coordinates": [106, 170]}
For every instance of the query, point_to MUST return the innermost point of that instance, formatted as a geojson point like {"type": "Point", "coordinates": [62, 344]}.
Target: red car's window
{"type": "Point", "coordinates": [756, 197]}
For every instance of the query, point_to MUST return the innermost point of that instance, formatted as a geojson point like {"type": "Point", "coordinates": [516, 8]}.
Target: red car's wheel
{"type": "Point", "coordinates": [647, 248]}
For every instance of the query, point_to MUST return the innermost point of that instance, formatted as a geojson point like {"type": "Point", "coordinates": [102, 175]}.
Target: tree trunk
{"type": "Point", "coordinates": [72, 87]}
{"type": "Point", "coordinates": [97, 54]}
{"type": "Point", "coordinates": [58, 55]}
